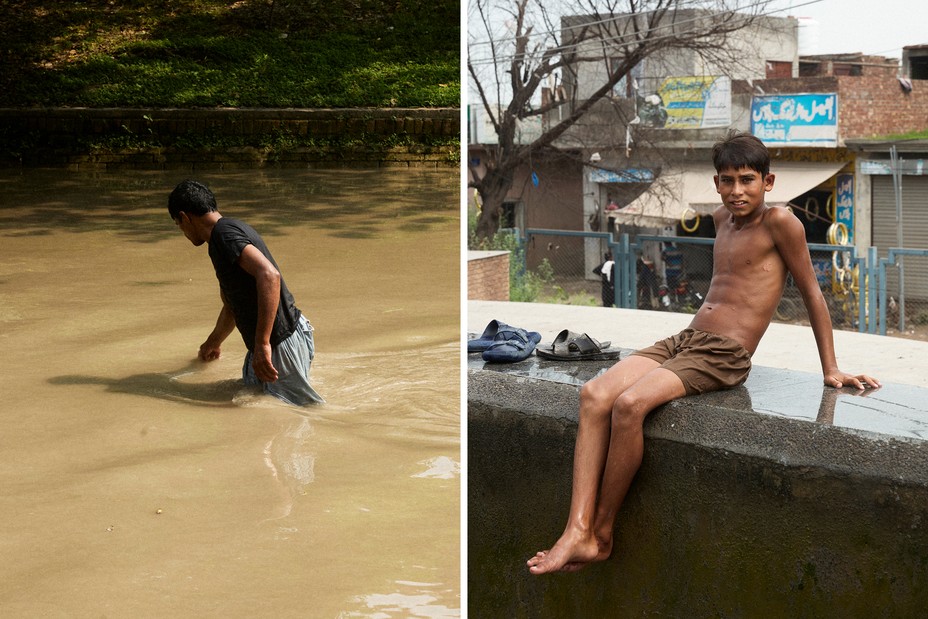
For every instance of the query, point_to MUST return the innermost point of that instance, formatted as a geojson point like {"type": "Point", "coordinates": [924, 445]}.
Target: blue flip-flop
{"type": "Point", "coordinates": [518, 346]}
{"type": "Point", "coordinates": [497, 331]}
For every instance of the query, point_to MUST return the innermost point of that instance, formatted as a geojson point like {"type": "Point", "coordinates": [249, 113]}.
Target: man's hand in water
{"type": "Point", "coordinates": [261, 362]}
{"type": "Point", "coordinates": [208, 351]}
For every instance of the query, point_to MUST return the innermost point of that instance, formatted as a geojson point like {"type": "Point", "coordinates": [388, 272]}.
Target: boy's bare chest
{"type": "Point", "coordinates": [745, 252]}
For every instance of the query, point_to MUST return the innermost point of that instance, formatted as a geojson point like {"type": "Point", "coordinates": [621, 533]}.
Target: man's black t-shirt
{"type": "Point", "coordinates": [226, 243]}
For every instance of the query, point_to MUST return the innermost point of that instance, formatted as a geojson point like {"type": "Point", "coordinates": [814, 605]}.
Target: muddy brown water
{"type": "Point", "coordinates": [136, 481]}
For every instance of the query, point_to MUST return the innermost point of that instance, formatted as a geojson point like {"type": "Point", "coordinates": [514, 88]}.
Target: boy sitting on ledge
{"type": "Point", "coordinates": [756, 247]}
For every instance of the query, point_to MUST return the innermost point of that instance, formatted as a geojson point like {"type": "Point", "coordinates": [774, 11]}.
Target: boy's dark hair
{"type": "Point", "coordinates": [741, 150]}
{"type": "Point", "coordinates": [192, 198]}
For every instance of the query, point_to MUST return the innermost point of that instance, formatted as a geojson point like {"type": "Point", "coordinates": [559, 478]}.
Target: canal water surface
{"type": "Point", "coordinates": [139, 482]}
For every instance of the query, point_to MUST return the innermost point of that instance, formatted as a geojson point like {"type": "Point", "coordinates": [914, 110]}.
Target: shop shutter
{"type": "Point", "coordinates": [914, 231]}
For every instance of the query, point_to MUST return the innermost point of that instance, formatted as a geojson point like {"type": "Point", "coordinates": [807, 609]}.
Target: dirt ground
{"type": "Point", "coordinates": [919, 332]}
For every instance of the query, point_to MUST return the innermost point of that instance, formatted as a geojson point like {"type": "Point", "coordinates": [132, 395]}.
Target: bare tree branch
{"type": "Point", "coordinates": [616, 34]}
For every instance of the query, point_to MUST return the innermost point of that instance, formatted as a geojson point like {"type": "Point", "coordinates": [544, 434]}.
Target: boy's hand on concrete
{"type": "Point", "coordinates": [861, 381]}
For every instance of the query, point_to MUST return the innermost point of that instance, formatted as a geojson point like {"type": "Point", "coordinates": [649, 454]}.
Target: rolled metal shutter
{"type": "Point", "coordinates": [914, 231]}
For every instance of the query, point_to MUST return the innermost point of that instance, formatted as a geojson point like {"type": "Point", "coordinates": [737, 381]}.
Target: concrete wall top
{"type": "Point", "coordinates": [482, 255]}
{"type": "Point", "coordinates": [778, 415]}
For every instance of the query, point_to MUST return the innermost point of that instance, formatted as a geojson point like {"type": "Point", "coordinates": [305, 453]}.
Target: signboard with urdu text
{"type": "Point", "coordinates": [688, 103]}
{"type": "Point", "coordinates": [844, 203]}
{"type": "Point", "coordinates": [796, 120]}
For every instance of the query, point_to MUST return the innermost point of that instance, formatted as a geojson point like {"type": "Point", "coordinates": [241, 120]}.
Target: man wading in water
{"type": "Point", "coordinates": [254, 298]}
{"type": "Point", "coordinates": [756, 247]}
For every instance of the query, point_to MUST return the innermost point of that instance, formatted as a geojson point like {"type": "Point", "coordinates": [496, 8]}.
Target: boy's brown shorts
{"type": "Point", "coordinates": [703, 361]}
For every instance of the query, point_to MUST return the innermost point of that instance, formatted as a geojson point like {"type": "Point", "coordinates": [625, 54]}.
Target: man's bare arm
{"type": "Point", "coordinates": [225, 323]}
{"type": "Point", "coordinates": [267, 280]}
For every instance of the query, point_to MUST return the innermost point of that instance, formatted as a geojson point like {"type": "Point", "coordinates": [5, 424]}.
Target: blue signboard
{"type": "Point", "coordinates": [628, 175]}
{"type": "Point", "coordinates": [796, 120]}
{"type": "Point", "coordinates": [844, 204]}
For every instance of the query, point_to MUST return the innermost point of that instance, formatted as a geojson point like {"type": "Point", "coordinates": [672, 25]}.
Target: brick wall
{"type": "Point", "coordinates": [879, 106]}
{"type": "Point", "coordinates": [488, 275]}
{"type": "Point", "coordinates": [60, 136]}
{"type": "Point", "coordinates": [868, 106]}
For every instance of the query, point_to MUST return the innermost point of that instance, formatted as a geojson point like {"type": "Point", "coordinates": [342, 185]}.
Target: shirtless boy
{"type": "Point", "coordinates": [756, 246]}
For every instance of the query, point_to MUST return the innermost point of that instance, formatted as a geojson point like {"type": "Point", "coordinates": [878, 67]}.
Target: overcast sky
{"type": "Point", "coordinates": [874, 27]}
{"type": "Point", "coordinates": [877, 27]}
{"type": "Point", "coordinates": [881, 27]}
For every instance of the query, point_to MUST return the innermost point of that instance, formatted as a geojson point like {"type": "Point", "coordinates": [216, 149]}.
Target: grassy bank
{"type": "Point", "coordinates": [250, 53]}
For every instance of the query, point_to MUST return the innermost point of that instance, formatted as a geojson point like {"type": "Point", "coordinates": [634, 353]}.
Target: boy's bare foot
{"type": "Point", "coordinates": [573, 551]}
{"type": "Point", "coordinates": [571, 566]}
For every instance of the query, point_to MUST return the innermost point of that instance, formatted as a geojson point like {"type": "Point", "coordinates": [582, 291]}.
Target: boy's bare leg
{"type": "Point", "coordinates": [626, 447]}
{"type": "Point", "coordinates": [584, 538]}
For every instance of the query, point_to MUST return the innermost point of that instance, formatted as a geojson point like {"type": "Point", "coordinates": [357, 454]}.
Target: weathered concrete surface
{"type": "Point", "coordinates": [790, 347]}
{"type": "Point", "coordinates": [781, 498]}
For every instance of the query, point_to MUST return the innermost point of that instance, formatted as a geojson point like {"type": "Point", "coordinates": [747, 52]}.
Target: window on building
{"type": "Point", "coordinates": [841, 69]}
{"type": "Point", "coordinates": [918, 68]}
{"type": "Point", "coordinates": [511, 217]}
{"type": "Point", "coordinates": [778, 68]}
{"type": "Point", "coordinates": [809, 69]}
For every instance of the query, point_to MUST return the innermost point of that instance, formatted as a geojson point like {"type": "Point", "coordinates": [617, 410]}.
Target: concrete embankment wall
{"type": "Point", "coordinates": [111, 138]}
{"type": "Point", "coordinates": [734, 513]}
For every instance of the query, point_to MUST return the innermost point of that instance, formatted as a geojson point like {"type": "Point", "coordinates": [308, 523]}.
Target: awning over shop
{"type": "Point", "coordinates": [692, 187]}
{"type": "Point", "coordinates": [794, 178]}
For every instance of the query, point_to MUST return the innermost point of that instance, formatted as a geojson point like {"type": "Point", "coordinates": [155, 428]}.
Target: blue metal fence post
{"type": "Point", "coordinates": [627, 272]}
{"type": "Point", "coordinates": [882, 282]}
{"type": "Point", "coordinates": [870, 296]}
{"type": "Point", "coordinates": [865, 296]}
{"type": "Point", "coordinates": [863, 275]}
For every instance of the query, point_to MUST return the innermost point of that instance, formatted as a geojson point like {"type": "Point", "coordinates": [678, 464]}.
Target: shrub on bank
{"type": "Point", "coordinates": [251, 53]}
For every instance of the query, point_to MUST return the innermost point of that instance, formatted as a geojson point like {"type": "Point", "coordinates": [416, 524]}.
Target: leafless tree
{"type": "Point", "coordinates": [517, 48]}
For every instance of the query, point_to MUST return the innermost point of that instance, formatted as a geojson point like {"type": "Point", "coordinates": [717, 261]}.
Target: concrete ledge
{"type": "Point", "coordinates": [57, 121]}
{"type": "Point", "coordinates": [92, 138]}
{"type": "Point", "coordinates": [781, 498]}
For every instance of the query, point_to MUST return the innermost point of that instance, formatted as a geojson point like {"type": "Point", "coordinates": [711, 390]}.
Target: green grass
{"type": "Point", "coordinates": [254, 53]}
{"type": "Point", "coordinates": [913, 135]}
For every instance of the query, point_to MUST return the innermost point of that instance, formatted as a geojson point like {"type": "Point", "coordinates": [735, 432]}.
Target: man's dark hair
{"type": "Point", "coordinates": [192, 198]}
{"type": "Point", "coordinates": [741, 150]}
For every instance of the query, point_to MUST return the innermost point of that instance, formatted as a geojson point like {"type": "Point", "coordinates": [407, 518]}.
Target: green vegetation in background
{"type": "Point", "coordinates": [561, 297]}
{"type": "Point", "coordinates": [250, 53]}
{"type": "Point", "coordinates": [524, 285]}
{"type": "Point", "coordinates": [912, 135]}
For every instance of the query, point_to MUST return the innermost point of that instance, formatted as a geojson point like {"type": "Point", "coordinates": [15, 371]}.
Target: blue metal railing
{"type": "Point", "coordinates": [620, 250]}
{"type": "Point", "coordinates": [870, 271]}
{"type": "Point", "coordinates": [891, 256]}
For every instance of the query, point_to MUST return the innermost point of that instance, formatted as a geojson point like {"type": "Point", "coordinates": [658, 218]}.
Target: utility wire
{"type": "Point", "coordinates": [695, 4]}
{"type": "Point", "coordinates": [617, 40]}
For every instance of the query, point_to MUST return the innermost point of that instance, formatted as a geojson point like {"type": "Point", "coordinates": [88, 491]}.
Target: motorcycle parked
{"type": "Point", "coordinates": [679, 298]}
